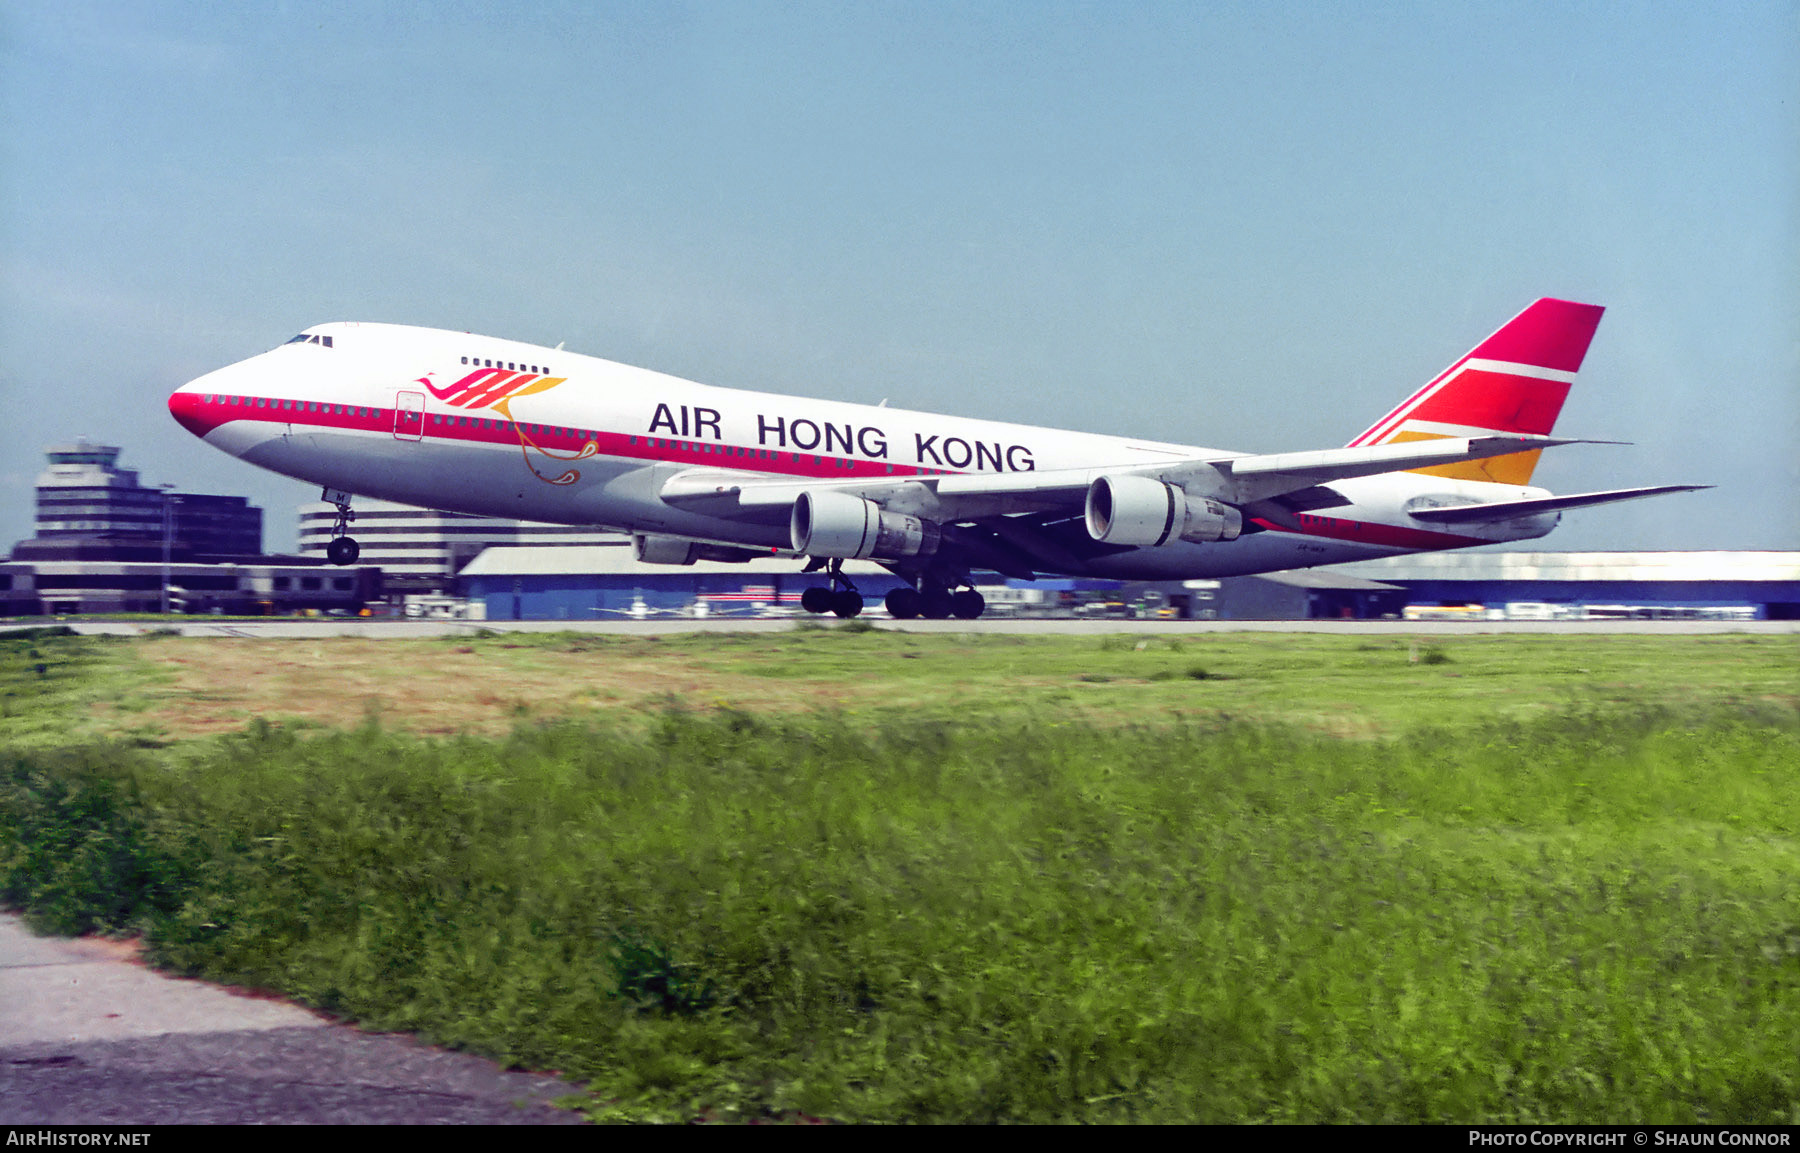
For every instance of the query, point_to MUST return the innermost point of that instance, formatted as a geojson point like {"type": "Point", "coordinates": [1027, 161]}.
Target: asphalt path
{"type": "Point", "coordinates": [313, 628]}
{"type": "Point", "coordinates": [90, 1036]}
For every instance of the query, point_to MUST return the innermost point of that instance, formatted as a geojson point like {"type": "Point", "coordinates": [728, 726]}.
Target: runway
{"type": "Point", "coordinates": [1049, 626]}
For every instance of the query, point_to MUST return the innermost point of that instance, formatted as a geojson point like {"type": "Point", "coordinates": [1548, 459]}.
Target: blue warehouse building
{"type": "Point", "coordinates": [608, 582]}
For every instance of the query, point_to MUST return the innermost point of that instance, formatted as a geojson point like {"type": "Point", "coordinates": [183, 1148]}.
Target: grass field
{"type": "Point", "coordinates": [173, 688]}
{"type": "Point", "coordinates": [878, 876]}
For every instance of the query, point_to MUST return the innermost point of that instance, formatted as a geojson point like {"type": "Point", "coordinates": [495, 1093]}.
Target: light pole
{"type": "Point", "coordinates": [168, 511]}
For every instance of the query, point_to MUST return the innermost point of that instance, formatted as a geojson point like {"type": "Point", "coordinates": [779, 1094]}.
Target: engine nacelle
{"type": "Point", "coordinates": [836, 524]}
{"type": "Point", "coordinates": [1136, 510]}
{"type": "Point", "coordinates": [653, 549]}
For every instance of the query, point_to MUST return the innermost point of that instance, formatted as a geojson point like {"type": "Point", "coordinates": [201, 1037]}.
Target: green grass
{"type": "Point", "coordinates": [51, 682]}
{"type": "Point", "coordinates": [1515, 906]}
{"type": "Point", "coordinates": [1345, 685]}
{"type": "Point", "coordinates": [161, 689]}
{"type": "Point", "coordinates": [1365, 682]}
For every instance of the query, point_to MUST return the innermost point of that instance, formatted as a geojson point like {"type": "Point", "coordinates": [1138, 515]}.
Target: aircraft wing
{"type": "Point", "coordinates": [1508, 509]}
{"type": "Point", "coordinates": [1284, 471]}
{"type": "Point", "coordinates": [975, 496]}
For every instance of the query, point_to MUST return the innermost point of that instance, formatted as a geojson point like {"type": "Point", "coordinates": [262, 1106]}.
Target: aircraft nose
{"type": "Point", "coordinates": [190, 407]}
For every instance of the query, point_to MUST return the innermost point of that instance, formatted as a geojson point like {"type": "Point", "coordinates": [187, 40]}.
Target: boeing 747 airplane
{"type": "Point", "coordinates": [491, 427]}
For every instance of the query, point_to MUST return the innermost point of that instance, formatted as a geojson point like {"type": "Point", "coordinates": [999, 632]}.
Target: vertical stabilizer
{"type": "Point", "coordinates": [1514, 381]}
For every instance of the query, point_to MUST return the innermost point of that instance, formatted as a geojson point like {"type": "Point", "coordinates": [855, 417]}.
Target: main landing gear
{"type": "Point", "coordinates": [841, 599]}
{"type": "Point", "coordinates": [343, 549]}
{"type": "Point", "coordinates": [935, 603]}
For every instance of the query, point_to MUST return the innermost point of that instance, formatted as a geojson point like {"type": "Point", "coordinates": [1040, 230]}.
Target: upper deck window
{"type": "Point", "coordinates": [507, 365]}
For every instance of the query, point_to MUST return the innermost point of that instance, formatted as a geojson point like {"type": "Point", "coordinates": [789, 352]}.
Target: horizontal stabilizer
{"type": "Point", "coordinates": [1508, 509]}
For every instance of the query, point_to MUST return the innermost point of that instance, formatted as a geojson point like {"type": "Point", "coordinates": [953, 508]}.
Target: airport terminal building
{"type": "Point", "coordinates": [106, 543]}
{"type": "Point", "coordinates": [89, 507]}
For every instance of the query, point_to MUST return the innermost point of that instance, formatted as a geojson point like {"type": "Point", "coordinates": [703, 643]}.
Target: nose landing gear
{"type": "Point", "coordinates": [342, 549]}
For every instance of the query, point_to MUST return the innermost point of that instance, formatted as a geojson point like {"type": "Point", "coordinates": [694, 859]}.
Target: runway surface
{"type": "Point", "coordinates": [1048, 626]}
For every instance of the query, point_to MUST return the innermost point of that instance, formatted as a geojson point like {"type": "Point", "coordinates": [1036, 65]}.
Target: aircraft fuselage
{"type": "Point", "coordinates": [497, 428]}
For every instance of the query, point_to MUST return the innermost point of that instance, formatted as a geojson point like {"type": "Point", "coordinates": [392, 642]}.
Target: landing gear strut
{"type": "Point", "coordinates": [841, 599]}
{"type": "Point", "coordinates": [343, 548]}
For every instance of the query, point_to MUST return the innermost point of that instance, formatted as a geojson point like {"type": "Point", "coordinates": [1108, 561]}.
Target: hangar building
{"type": "Point", "coordinates": [1647, 584]}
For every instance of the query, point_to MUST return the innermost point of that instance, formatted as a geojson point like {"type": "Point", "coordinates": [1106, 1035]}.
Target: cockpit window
{"type": "Point", "coordinates": [311, 338]}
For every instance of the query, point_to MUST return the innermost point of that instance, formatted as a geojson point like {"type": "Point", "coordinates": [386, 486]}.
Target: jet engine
{"type": "Point", "coordinates": [1136, 510]}
{"type": "Point", "coordinates": [835, 524]}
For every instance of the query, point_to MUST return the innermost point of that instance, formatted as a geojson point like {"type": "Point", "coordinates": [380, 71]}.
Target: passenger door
{"type": "Point", "coordinates": [409, 415]}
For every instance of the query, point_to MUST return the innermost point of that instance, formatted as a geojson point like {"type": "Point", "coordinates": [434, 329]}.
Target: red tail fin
{"type": "Point", "coordinates": [1514, 381]}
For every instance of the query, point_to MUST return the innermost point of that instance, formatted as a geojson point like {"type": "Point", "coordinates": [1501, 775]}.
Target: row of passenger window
{"type": "Point", "coordinates": [506, 364]}
{"type": "Point", "coordinates": [293, 405]}
{"type": "Point", "coordinates": [485, 422]}
{"type": "Point", "coordinates": [542, 430]}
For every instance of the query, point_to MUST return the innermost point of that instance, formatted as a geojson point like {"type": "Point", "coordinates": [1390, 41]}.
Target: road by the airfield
{"type": "Point", "coordinates": [89, 1036]}
{"type": "Point", "coordinates": [313, 628]}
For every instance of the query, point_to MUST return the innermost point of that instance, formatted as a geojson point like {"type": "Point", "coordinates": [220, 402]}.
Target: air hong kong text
{"type": "Point", "coordinates": [938, 450]}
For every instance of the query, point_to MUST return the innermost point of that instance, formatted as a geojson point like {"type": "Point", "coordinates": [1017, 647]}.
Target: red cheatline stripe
{"type": "Point", "coordinates": [200, 416]}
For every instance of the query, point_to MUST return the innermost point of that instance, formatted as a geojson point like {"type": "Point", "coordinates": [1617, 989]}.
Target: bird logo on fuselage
{"type": "Point", "coordinates": [496, 389]}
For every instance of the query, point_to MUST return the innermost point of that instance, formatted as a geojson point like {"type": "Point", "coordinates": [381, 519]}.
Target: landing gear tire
{"type": "Point", "coordinates": [903, 604]}
{"type": "Point", "coordinates": [936, 604]}
{"type": "Point", "coordinates": [816, 600]}
{"type": "Point", "coordinates": [846, 603]}
{"type": "Point", "coordinates": [967, 604]}
{"type": "Point", "coordinates": [341, 549]}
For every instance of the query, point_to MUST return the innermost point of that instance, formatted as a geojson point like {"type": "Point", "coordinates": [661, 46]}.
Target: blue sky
{"type": "Point", "coordinates": [1247, 226]}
